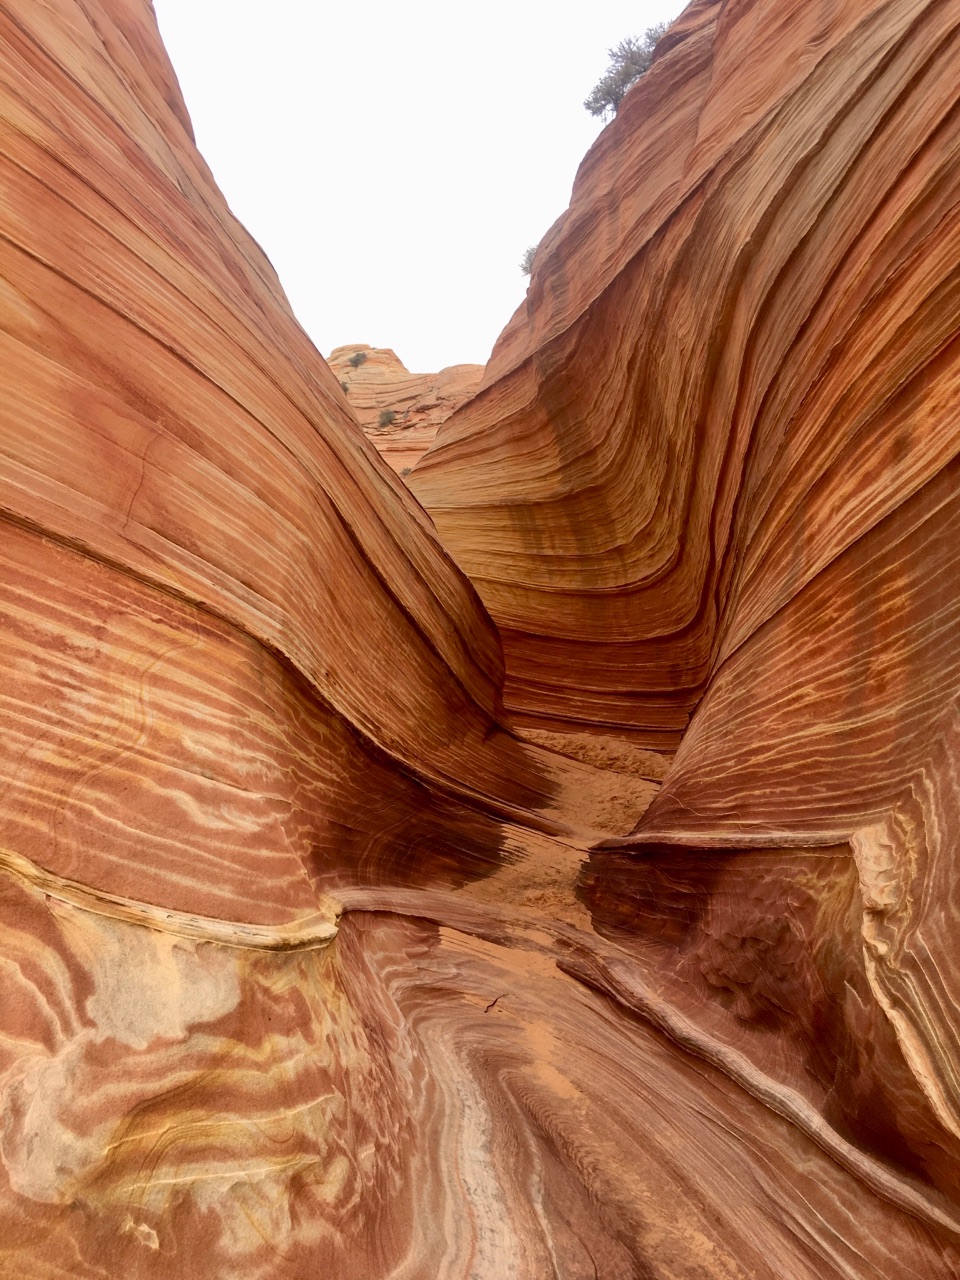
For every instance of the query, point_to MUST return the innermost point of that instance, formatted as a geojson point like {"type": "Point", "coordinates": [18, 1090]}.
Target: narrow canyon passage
{"type": "Point", "coordinates": [515, 840]}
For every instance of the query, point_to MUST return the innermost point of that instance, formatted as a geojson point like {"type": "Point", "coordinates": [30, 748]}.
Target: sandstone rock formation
{"type": "Point", "coordinates": [378, 385]}
{"type": "Point", "coordinates": [339, 933]}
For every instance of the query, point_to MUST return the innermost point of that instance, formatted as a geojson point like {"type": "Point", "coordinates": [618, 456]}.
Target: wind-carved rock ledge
{"type": "Point", "coordinates": [545, 870]}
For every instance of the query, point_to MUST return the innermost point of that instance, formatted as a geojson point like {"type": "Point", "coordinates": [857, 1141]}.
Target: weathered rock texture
{"type": "Point", "coordinates": [378, 385]}
{"type": "Point", "coordinates": [312, 964]}
{"type": "Point", "coordinates": [731, 365]}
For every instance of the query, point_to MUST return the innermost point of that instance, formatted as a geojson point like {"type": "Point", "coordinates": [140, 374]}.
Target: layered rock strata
{"type": "Point", "coordinates": [400, 411]}
{"type": "Point", "coordinates": [338, 935]}
{"type": "Point", "coordinates": [731, 363]}
{"type": "Point", "coordinates": [708, 492]}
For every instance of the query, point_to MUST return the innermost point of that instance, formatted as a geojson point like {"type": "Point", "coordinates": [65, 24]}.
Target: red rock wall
{"type": "Point", "coordinates": [308, 967]}
{"type": "Point", "coordinates": [239, 673]}
{"type": "Point", "coordinates": [709, 492]}
{"type": "Point", "coordinates": [729, 363]}
{"type": "Point", "coordinates": [188, 504]}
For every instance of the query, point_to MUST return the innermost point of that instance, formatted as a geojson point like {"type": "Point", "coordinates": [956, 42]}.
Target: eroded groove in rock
{"type": "Point", "coordinates": [337, 935]}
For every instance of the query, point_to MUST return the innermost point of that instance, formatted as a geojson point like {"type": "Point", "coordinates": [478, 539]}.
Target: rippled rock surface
{"type": "Point", "coordinates": [564, 886]}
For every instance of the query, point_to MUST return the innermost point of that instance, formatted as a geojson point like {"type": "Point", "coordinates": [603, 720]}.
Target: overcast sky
{"type": "Point", "coordinates": [395, 160]}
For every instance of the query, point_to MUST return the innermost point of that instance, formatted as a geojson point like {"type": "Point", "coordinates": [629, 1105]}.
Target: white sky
{"type": "Point", "coordinates": [395, 160]}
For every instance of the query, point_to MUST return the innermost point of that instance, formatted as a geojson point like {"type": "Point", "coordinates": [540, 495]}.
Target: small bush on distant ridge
{"type": "Point", "coordinates": [526, 262]}
{"type": "Point", "coordinates": [344, 386]}
{"type": "Point", "coordinates": [387, 416]}
{"type": "Point", "coordinates": [357, 359]}
{"type": "Point", "coordinates": [628, 61]}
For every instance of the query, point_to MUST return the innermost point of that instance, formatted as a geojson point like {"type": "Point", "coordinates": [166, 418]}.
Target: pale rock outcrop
{"type": "Point", "coordinates": [400, 411]}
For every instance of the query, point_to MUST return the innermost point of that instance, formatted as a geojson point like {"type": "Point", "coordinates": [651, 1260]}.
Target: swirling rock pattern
{"type": "Point", "coordinates": [717, 493]}
{"type": "Point", "coordinates": [597, 925]}
{"type": "Point", "coordinates": [733, 363]}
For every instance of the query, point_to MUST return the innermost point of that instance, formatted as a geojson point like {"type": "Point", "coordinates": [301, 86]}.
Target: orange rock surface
{"type": "Point", "coordinates": [347, 926]}
{"type": "Point", "coordinates": [377, 385]}
{"type": "Point", "coordinates": [726, 369]}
